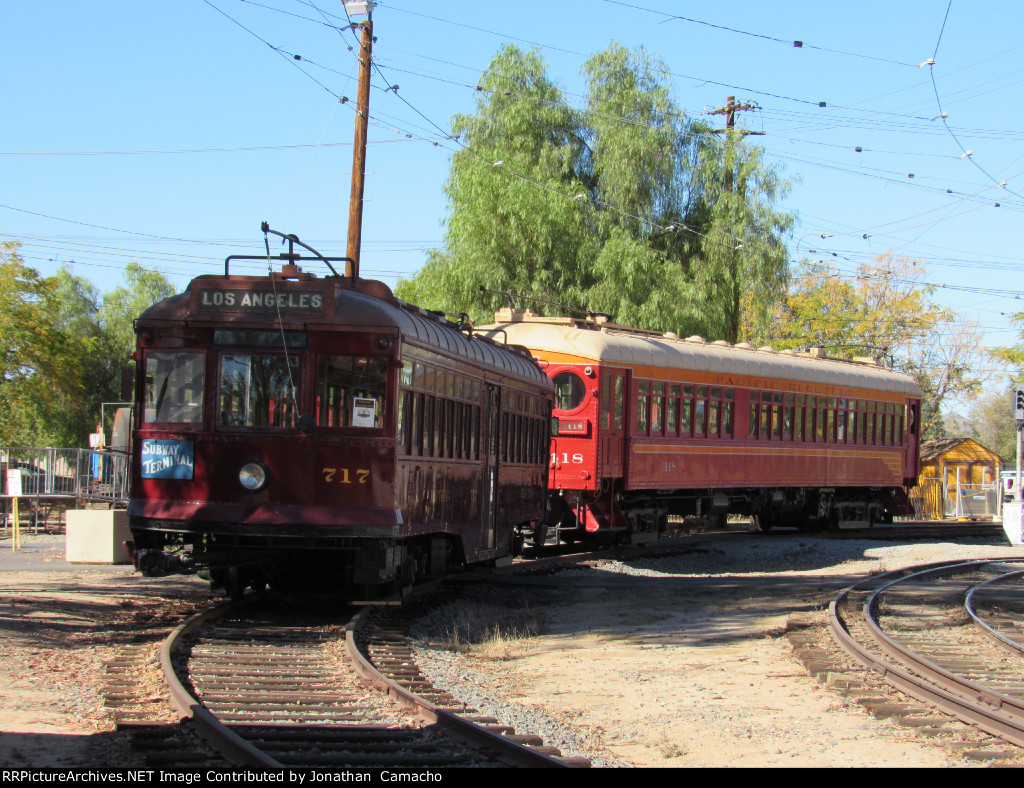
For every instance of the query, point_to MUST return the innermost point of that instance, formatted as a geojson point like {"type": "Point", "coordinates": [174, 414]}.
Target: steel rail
{"type": "Point", "coordinates": [228, 743]}
{"type": "Point", "coordinates": [999, 637]}
{"type": "Point", "coordinates": [985, 709]}
{"type": "Point", "coordinates": [512, 753]}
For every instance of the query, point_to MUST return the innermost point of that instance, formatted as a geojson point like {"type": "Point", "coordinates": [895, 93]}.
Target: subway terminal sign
{"type": "Point", "coordinates": [167, 459]}
{"type": "Point", "coordinates": [260, 300]}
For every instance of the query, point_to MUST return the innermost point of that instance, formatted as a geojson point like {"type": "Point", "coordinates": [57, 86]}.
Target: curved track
{"type": "Point", "coordinates": [269, 690]}
{"type": "Point", "coordinates": [914, 627]}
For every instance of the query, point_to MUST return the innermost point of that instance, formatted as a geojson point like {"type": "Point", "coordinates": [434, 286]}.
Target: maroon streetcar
{"type": "Point", "coordinates": [319, 433]}
{"type": "Point", "coordinates": [651, 425]}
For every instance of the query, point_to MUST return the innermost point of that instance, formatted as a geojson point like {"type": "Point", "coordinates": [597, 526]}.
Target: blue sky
{"type": "Point", "coordinates": [166, 132]}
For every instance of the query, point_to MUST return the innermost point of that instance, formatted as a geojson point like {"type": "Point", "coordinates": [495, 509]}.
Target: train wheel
{"type": "Point", "coordinates": [233, 584]}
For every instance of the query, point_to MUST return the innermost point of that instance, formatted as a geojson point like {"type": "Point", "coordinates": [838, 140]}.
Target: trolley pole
{"type": "Point", "coordinates": [355, 210]}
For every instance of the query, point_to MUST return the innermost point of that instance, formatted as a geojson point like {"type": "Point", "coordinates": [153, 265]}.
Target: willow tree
{"type": "Point", "coordinates": [640, 144]}
{"type": "Point", "coordinates": [515, 223]}
{"type": "Point", "coordinates": [618, 207]}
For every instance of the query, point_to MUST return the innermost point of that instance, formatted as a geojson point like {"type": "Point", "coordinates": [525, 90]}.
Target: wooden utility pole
{"type": "Point", "coordinates": [730, 110]}
{"type": "Point", "coordinates": [355, 208]}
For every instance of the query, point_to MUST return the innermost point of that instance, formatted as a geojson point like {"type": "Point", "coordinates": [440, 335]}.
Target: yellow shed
{"type": "Point", "coordinates": [959, 479]}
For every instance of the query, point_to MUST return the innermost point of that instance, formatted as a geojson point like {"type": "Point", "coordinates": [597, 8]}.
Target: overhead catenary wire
{"type": "Point", "coordinates": [912, 203]}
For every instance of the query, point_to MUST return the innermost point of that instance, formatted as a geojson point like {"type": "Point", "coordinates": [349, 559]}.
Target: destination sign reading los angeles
{"type": "Point", "coordinates": [261, 301]}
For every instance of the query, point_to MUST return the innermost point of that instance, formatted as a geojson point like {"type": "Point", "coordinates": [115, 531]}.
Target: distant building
{"type": "Point", "coordinates": [959, 479]}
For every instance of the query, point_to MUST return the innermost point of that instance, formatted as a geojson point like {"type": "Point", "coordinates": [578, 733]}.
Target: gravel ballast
{"type": "Point", "coordinates": [680, 660]}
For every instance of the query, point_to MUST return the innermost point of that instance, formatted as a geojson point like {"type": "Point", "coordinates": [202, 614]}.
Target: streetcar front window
{"type": "Point", "coordinates": [174, 388]}
{"type": "Point", "coordinates": [569, 391]}
{"type": "Point", "coordinates": [258, 391]}
{"type": "Point", "coordinates": [350, 391]}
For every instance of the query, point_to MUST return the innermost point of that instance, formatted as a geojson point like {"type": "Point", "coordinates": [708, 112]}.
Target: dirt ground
{"type": "Point", "coordinates": [59, 626]}
{"type": "Point", "coordinates": [672, 671]}
{"type": "Point", "coordinates": [688, 669]}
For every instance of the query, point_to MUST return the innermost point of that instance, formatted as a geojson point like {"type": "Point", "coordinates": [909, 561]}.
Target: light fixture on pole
{"type": "Point", "coordinates": [359, 7]}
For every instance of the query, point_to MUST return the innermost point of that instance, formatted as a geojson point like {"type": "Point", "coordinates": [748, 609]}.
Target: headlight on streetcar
{"type": "Point", "coordinates": [253, 476]}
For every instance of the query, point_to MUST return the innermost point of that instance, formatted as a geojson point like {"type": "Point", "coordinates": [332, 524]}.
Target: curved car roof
{"type": "Point", "coordinates": [366, 305]}
{"type": "Point", "coordinates": [629, 347]}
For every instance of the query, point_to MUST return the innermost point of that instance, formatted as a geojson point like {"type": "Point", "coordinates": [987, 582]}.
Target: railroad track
{"type": "Point", "coordinates": [947, 635]}
{"type": "Point", "coordinates": [268, 690]}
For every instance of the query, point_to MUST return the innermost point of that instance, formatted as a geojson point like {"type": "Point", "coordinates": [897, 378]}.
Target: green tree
{"type": "Point", "coordinates": [43, 365]}
{"type": "Point", "coordinates": [607, 208]}
{"type": "Point", "coordinates": [76, 303]}
{"type": "Point", "coordinates": [514, 223]}
{"type": "Point", "coordinates": [141, 288]}
{"type": "Point", "coordinates": [639, 144]}
{"type": "Point", "coordinates": [65, 348]}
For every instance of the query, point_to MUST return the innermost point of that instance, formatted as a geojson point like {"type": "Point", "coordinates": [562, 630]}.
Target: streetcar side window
{"type": "Point", "coordinates": [642, 404]}
{"type": "Point", "coordinates": [174, 388]}
{"type": "Point", "coordinates": [686, 411]}
{"type": "Point", "coordinates": [714, 410]}
{"type": "Point", "coordinates": [700, 417]}
{"type": "Point", "coordinates": [777, 416]}
{"type": "Point", "coordinates": [351, 391]}
{"type": "Point", "coordinates": [618, 400]}
{"type": "Point", "coordinates": [672, 410]}
{"type": "Point", "coordinates": [604, 419]}
{"type": "Point", "coordinates": [728, 413]}
{"type": "Point", "coordinates": [657, 408]}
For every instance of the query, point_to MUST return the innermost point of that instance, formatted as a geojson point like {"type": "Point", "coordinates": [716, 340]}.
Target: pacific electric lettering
{"type": "Point", "coordinates": [260, 301]}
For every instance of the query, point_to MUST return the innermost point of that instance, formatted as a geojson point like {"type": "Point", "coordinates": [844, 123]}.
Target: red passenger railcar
{"type": "Point", "coordinates": [651, 425]}
{"type": "Point", "coordinates": [318, 432]}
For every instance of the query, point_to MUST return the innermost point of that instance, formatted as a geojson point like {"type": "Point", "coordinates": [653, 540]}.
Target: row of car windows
{"type": "Point", "coordinates": [710, 411]}
{"type": "Point", "coordinates": [262, 390]}
{"type": "Point", "coordinates": [678, 409]}
{"type": "Point", "coordinates": [439, 411]}
{"type": "Point", "coordinates": [799, 417]}
{"type": "Point", "coordinates": [433, 423]}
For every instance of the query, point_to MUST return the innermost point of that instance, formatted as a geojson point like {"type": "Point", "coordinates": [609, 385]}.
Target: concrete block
{"type": "Point", "coordinates": [96, 536]}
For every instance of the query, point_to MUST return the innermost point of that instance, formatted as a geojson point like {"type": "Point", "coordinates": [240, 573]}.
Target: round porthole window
{"type": "Point", "coordinates": [569, 391]}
